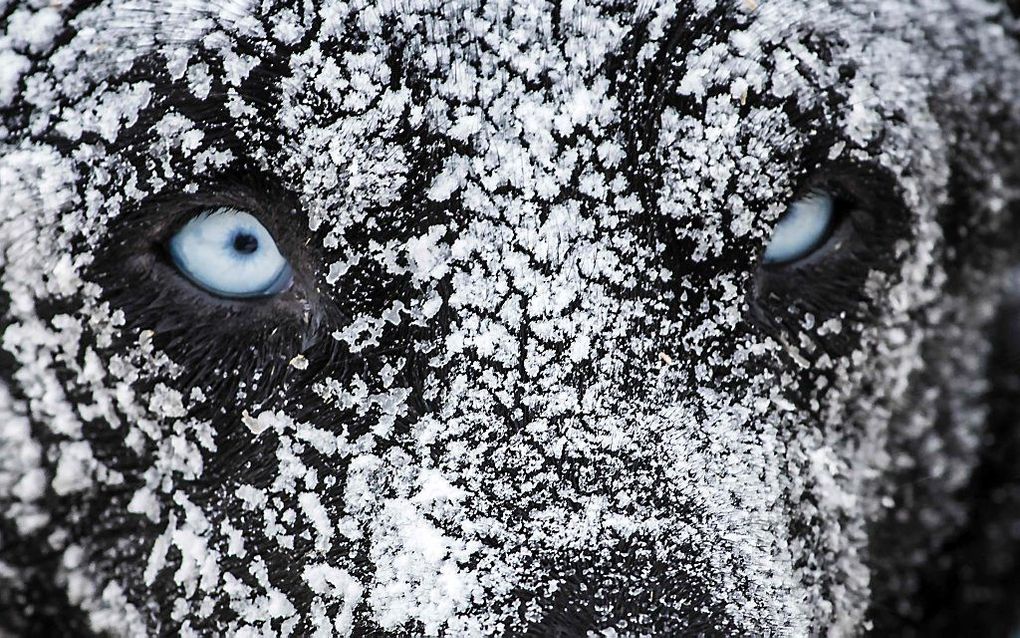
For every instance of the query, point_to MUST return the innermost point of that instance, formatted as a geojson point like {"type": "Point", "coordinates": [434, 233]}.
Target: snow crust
{"type": "Point", "coordinates": [586, 404]}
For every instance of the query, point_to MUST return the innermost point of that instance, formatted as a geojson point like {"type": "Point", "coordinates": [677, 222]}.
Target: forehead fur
{"type": "Point", "coordinates": [526, 383]}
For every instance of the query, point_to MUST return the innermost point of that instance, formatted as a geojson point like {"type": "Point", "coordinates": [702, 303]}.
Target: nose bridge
{"type": "Point", "coordinates": [524, 289]}
{"type": "Point", "coordinates": [553, 323]}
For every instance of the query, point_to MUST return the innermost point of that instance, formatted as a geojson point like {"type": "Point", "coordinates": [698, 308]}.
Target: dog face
{"type": "Point", "coordinates": [485, 319]}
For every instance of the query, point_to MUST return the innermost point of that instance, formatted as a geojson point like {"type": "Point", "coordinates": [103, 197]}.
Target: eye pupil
{"type": "Point", "coordinates": [245, 243]}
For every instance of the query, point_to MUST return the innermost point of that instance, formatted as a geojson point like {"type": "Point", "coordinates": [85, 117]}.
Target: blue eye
{"type": "Point", "coordinates": [802, 229]}
{"type": "Point", "coordinates": [228, 253]}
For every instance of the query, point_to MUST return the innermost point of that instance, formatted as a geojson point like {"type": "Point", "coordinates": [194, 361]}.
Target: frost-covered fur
{"type": "Point", "coordinates": [532, 377]}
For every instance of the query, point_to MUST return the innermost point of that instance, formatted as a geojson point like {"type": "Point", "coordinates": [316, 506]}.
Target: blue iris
{"type": "Point", "coordinates": [802, 229]}
{"type": "Point", "coordinates": [228, 253]}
